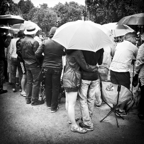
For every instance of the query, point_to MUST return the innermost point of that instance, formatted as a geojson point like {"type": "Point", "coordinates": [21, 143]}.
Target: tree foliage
{"type": "Point", "coordinates": [25, 7]}
{"type": "Point", "coordinates": [9, 7]}
{"type": "Point", "coordinates": [104, 11]}
{"type": "Point", "coordinates": [68, 12]}
{"type": "Point", "coordinates": [99, 11]}
{"type": "Point", "coordinates": [44, 17]}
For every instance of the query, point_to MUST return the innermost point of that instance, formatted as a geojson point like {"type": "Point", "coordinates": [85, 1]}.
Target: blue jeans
{"type": "Point", "coordinates": [87, 98]}
{"type": "Point", "coordinates": [52, 86]}
{"type": "Point", "coordinates": [33, 82]}
{"type": "Point", "coordinates": [15, 64]}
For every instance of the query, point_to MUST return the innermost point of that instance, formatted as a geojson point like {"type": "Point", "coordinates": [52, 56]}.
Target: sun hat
{"type": "Point", "coordinates": [30, 30]}
{"type": "Point", "coordinates": [52, 31]}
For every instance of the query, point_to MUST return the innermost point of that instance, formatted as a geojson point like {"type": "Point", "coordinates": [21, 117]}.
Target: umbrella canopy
{"type": "Point", "coordinates": [25, 25]}
{"type": "Point", "coordinates": [116, 30]}
{"type": "Point", "coordinates": [10, 19]}
{"type": "Point", "coordinates": [5, 27]}
{"type": "Point", "coordinates": [121, 30]}
{"type": "Point", "coordinates": [82, 35]}
{"type": "Point", "coordinates": [135, 19]}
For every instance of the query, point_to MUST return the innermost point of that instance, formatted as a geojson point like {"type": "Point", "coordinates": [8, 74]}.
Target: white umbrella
{"type": "Point", "coordinates": [82, 35]}
{"type": "Point", "coordinates": [116, 30]}
{"type": "Point", "coordinates": [24, 26]}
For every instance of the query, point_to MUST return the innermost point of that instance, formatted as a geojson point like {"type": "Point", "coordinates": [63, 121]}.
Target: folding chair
{"type": "Point", "coordinates": [116, 101]}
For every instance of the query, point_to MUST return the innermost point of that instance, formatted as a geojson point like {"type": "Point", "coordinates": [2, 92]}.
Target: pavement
{"type": "Point", "coordinates": [22, 123]}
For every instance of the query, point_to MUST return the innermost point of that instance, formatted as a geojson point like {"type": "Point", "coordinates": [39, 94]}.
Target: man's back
{"type": "Point", "coordinates": [29, 46]}
{"type": "Point", "coordinates": [92, 58]}
{"type": "Point", "coordinates": [123, 56]}
{"type": "Point", "coordinates": [53, 53]}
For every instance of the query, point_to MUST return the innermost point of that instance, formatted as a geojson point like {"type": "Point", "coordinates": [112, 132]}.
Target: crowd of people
{"type": "Point", "coordinates": [28, 57]}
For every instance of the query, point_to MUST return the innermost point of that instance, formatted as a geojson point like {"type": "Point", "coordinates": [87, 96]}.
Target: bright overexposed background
{"type": "Point", "coordinates": [52, 3]}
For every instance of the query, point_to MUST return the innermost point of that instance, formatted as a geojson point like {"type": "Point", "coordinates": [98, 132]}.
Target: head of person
{"type": "Point", "coordinates": [21, 34]}
{"type": "Point", "coordinates": [131, 37]}
{"type": "Point", "coordinates": [30, 31]}
{"type": "Point", "coordinates": [52, 31]}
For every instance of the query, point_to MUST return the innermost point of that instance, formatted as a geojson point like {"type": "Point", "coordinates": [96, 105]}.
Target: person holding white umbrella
{"type": "Point", "coordinates": [76, 36]}
{"type": "Point", "coordinates": [71, 83]}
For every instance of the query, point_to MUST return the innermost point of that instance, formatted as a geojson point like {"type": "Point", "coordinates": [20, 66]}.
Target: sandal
{"type": "Point", "coordinates": [23, 94]}
{"type": "Point", "coordinates": [78, 129]}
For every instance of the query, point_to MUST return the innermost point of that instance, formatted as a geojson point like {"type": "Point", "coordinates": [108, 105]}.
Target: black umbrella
{"type": "Point", "coordinates": [10, 19]}
{"type": "Point", "coordinates": [135, 19]}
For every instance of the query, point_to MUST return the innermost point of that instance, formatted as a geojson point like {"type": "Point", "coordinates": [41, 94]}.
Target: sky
{"type": "Point", "coordinates": [52, 3]}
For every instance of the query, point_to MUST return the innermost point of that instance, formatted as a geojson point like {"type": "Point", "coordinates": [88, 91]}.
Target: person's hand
{"type": "Point", "coordinates": [135, 80]}
{"type": "Point", "coordinates": [133, 61]}
{"type": "Point", "coordinates": [95, 68]}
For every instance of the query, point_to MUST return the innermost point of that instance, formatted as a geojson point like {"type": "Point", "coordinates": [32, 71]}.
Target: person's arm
{"type": "Point", "coordinates": [139, 59]}
{"type": "Point", "coordinates": [11, 48]}
{"type": "Point", "coordinates": [100, 60]}
{"type": "Point", "coordinates": [82, 63]}
{"type": "Point", "coordinates": [18, 50]}
{"type": "Point", "coordinates": [40, 50]}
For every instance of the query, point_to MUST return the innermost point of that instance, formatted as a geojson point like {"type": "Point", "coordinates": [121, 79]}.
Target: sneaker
{"type": "Point", "coordinates": [28, 101]}
{"type": "Point", "coordinates": [14, 90]}
{"type": "Point", "coordinates": [88, 128]}
{"type": "Point", "coordinates": [3, 91]}
{"type": "Point", "coordinates": [37, 102]}
{"type": "Point", "coordinates": [53, 111]}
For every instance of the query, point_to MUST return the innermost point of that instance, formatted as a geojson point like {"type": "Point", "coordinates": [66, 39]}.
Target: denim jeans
{"type": "Point", "coordinates": [1, 74]}
{"type": "Point", "coordinates": [52, 86]}
{"type": "Point", "coordinates": [33, 82]}
{"type": "Point", "coordinates": [15, 64]}
{"type": "Point", "coordinates": [87, 98]}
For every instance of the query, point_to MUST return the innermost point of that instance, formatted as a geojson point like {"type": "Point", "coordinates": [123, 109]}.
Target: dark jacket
{"type": "Point", "coordinates": [28, 48]}
{"type": "Point", "coordinates": [53, 53]}
{"type": "Point", "coordinates": [92, 58]}
{"type": "Point", "coordinates": [3, 45]}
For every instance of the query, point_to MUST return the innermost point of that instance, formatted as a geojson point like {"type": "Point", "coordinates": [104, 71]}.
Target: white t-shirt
{"type": "Point", "coordinates": [125, 52]}
{"type": "Point", "coordinates": [12, 48]}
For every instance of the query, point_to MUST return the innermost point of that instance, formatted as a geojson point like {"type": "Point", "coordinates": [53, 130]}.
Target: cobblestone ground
{"type": "Point", "coordinates": [26, 124]}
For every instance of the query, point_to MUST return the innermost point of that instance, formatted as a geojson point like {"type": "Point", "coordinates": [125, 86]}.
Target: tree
{"type": "Point", "coordinates": [68, 12]}
{"type": "Point", "coordinates": [25, 7]}
{"type": "Point", "coordinates": [104, 11]}
{"type": "Point", "coordinates": [44, 17]}
{"type": "Point", "coordinates": [9, 7]}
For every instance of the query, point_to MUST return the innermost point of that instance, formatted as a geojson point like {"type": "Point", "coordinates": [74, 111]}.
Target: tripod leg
{"type": "Point", "coordinates": [106, 115]}
{"type": "Point", "coordinates": [116, 120]}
